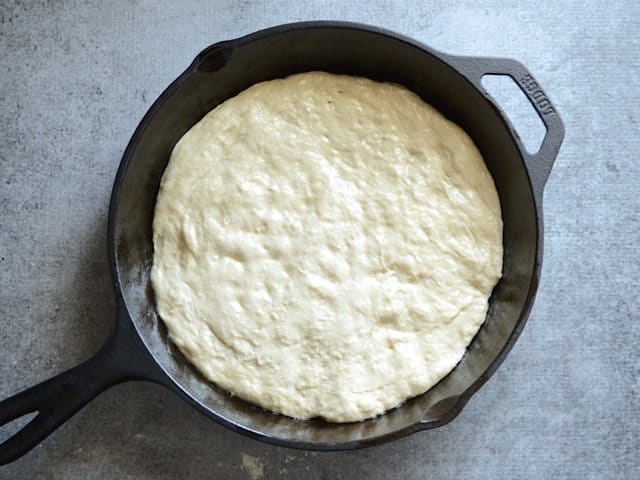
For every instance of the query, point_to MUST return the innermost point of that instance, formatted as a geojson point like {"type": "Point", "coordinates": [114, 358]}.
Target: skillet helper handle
{"type": "Point", "coordinates": [57, 399]}
{"type": "Point", "coordinates": [538, 164]}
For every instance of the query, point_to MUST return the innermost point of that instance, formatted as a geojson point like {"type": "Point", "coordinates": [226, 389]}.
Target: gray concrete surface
{"type": "Point", "coordinates": [75, 79]}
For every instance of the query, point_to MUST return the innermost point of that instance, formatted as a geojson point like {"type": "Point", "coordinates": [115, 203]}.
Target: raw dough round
{"type": "Point", "coordinates": [325, 245]}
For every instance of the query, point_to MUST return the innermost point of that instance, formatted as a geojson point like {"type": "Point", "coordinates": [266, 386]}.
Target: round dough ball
{"type": "Point", "coordinates": [325, 245]}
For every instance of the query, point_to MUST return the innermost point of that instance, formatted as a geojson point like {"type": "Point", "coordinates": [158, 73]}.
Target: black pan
{"type": "Point", "coordinates": [139, 348]}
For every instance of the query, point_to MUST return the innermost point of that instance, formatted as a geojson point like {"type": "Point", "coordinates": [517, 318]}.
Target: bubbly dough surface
{"type": "Point", "coordinates": [325, 245]}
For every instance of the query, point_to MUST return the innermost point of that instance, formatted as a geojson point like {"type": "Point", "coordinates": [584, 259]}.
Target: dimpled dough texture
{"type": "Point", "coordinates": [325, 245]}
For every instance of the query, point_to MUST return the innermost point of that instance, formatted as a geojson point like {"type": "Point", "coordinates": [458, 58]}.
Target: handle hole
{"type": "Point", "coordinates": [518, 109]}
{"type": "Point", "coordinates": [214, 58]}
{"type": "Point", "coordinates": [9, 429]}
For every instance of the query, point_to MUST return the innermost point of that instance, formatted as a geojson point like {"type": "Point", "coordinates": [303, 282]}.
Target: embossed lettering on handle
{"type": "Point", "coordinates": [540, 100]}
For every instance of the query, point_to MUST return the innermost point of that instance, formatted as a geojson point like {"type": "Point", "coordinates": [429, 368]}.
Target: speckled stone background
{"type": "Point", "coordinates": [77, 76]}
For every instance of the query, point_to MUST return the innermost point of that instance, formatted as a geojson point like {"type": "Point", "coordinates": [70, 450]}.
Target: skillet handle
{"type": "Point", "coordinates": [121, 359]}
{"type": "Point", "coordinates": [538, 164]}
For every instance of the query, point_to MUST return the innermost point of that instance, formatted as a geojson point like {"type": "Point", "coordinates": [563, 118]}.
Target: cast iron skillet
{"type": "Point", "coordinates": [139, 349]}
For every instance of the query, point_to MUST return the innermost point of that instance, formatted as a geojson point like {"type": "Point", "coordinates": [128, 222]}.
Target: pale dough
{"type": "Point", "coordinates": [325, 245]}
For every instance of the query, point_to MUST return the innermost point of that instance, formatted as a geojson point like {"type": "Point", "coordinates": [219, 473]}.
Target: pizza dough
{"type": "Point", "coordinates": [325, 245]}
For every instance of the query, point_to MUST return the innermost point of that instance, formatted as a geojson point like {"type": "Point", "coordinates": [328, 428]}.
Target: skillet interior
{"type": "Point", "coordinates": [223, 71]}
